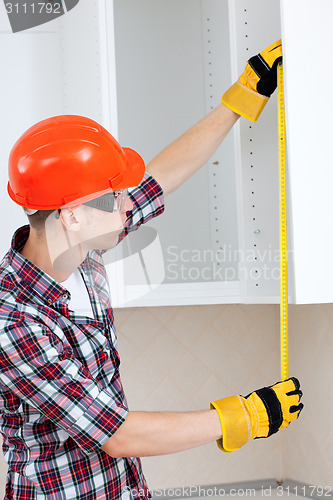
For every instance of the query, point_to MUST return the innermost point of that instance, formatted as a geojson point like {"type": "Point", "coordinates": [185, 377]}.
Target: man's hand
{"type": "Point", "coordinates": [258, 415]}
{"type": "Point", "coordinates": [249, 95]}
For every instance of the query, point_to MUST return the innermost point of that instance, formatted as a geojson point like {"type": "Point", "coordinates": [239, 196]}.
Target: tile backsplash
{"type": "Point", "coordinates": [308, 454]}
{"type": "Point", "coordinates": [180, 358]}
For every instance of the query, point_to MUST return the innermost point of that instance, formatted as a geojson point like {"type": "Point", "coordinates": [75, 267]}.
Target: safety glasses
{"type": "Point", "coordinates": [109, 202]}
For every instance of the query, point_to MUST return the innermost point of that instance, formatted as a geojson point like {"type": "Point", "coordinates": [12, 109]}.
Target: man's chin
{"type": "Point", "coordinates": [104, 242]}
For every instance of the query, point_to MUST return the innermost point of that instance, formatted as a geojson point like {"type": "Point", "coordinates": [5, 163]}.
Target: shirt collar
{"type": "Point", "coordinates": [29, 275]}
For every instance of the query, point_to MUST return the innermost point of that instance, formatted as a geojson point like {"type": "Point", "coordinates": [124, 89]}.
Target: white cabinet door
{"type": "Point", "coordinates": [308, 75]}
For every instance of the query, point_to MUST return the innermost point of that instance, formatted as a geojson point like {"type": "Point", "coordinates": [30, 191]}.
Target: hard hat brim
{"type": "Point", "coordinates": [134, 172]}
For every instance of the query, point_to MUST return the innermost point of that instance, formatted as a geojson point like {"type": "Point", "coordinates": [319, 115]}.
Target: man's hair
{"type": "Point", "coordinates": [37, 220]}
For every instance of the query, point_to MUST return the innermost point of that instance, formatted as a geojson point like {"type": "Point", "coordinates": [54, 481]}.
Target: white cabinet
{"type": "Point", "coordinates": [173, 61]}
{"type": "Point", "coordinates": [309, 111]}
{"type": "Point", "coordinates": [147, 71]}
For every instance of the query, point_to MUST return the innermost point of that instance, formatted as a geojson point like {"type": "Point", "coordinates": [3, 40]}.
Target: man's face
{"type": "Point", "coordinates": [100, 229]}
{"type": "Point", "coordinates": [78, 230]}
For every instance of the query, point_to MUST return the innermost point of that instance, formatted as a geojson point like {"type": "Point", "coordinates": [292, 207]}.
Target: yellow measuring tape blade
{"type": "Point", "coordinates": [283, 231]}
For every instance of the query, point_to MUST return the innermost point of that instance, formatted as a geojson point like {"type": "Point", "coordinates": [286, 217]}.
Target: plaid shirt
{"type": "Point", "coordinates": [61, 397]}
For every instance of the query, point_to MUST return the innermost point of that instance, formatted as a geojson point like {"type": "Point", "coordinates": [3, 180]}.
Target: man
{"type": "Point", "coordinates": [66, 427]}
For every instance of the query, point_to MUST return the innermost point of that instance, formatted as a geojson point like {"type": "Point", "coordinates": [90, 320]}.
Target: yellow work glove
{"type": "Point", "coordinates": [258, 415]}
{"type": "Point", "coordinates": [249, 95]}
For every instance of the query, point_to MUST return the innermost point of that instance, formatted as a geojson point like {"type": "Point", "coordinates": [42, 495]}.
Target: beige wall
{"type": "Point", "coordinates": [180, 358]}
{"type": "Point", "coordinates": [308, 452]}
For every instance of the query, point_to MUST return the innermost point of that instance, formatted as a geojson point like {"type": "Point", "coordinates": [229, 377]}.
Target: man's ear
{"type": "Point", "coordinates": [69, 219]}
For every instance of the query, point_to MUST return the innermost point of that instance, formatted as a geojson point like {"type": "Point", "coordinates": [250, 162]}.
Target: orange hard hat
{"type": "Point", "coordinates": [67, 159]}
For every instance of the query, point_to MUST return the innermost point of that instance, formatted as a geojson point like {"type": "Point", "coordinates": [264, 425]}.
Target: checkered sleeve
{"type": "Point", "coordinates": [148, 202]}
{"type": "Point", "coordinates": [41, 369]}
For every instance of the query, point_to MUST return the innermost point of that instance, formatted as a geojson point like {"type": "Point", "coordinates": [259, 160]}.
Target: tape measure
{"type": "Point", "coordinates": [283, 231]}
